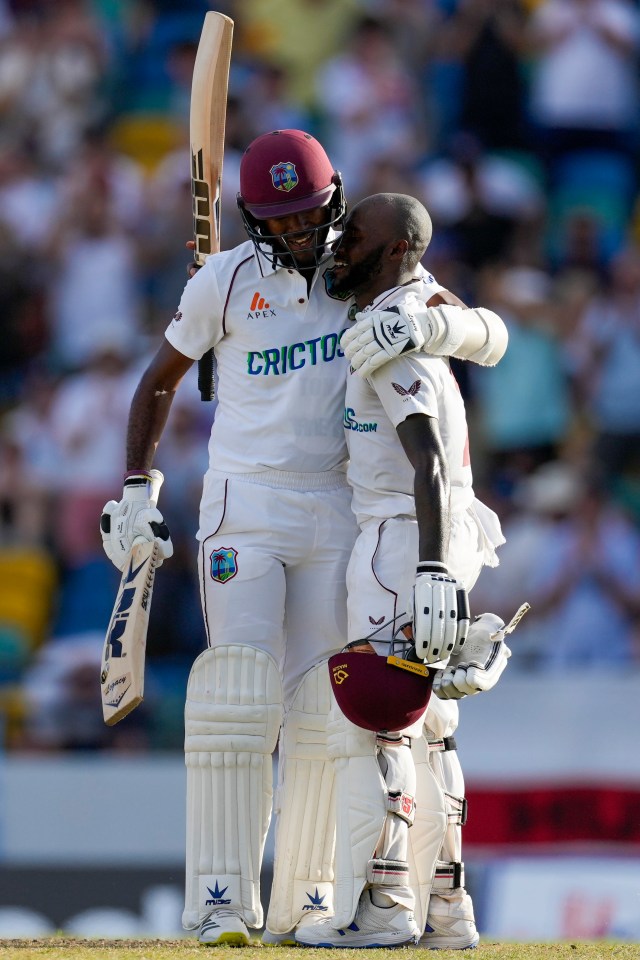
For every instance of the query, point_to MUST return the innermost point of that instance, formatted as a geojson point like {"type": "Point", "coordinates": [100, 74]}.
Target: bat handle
{"type": "Point", "coordinates": [205, 376]}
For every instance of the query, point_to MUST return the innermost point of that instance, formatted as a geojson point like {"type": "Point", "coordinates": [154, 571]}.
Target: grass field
{"type": "Point", "coordinates": [64, 948]}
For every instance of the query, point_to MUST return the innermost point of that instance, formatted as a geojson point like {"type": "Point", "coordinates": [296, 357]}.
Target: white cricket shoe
{"type": "Point", "coordinates": [223, 926]}
{"type": "Point", "coordinates": [287, 939]}
{"type": "Point", "coordinates": [279, 939]}
{"type": "Point", "coordinates": [450, 924]}
{"type": "Point", "coordinates": [372, 927]}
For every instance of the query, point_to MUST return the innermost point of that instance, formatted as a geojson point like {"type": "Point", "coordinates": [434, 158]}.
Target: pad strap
{"type": "Point", "coordinates": [442, 744]}
{"type": "Point", "coordinates": [387, 873]}
{"type": "Point", "coordinates": [448, 875]}
{"type": "Point", "coordinates": [456, 809]}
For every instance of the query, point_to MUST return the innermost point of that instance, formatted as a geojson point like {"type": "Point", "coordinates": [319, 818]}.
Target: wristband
{"type": "Point", "coordinates": [136, 477]}
{"type": "Point", "coordinates": [432, 566]}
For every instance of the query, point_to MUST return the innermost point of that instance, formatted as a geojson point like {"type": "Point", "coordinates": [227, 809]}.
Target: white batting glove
{"type": "Point", "coordinates": [481, 663]}
{"type": "Point", "coordinates": [135, 517]}
{"type": "Point", "coordinates": [380, 335]}
{"type": "Point", "coordinates": [440, 613]}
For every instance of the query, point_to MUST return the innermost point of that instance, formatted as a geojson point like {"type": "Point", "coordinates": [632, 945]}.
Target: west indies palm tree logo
{"type": "Point", "coordinates": [284, 176]}
{"type": "Point", "coordinates": [223, 564]}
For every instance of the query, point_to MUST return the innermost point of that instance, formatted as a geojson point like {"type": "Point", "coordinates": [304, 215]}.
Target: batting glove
{"type": "Point", "coordinates": [135, 517]}
{"type": "Point", "coordinates": [481, 663]}
{"type": "Point", "coordinates": [440, 613]}
{"type": "Point", "coordinates": [380, 335]}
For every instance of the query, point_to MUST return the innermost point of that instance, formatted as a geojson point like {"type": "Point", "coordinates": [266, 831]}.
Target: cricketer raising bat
{"type": "Point", "coordinates": [123, 656]}
{"type": "Point", "coordinates": [207, 121]}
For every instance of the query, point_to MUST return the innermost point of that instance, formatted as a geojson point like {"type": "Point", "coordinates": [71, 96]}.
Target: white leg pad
{"type": "Point", "coordinates": [390, 866]}
{"type": "Point", "coordinates": [232, 719]}
{"type": "Point", "coordinates": [361, 809]}
{"type": "Point", "coordinates": [450, 899]}
{"type": "Point", "coordinates": [428, 832]}
{"type": "Point", "coordinates": [448, 772]}
{"type": "Point", "coordinates": [305, 832]}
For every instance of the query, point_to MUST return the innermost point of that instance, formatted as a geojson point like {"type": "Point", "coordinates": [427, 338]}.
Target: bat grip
{"type": "Point", "coordinates": [205, 376]}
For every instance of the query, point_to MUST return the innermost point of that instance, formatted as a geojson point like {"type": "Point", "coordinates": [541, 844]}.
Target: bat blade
{"type": "Point", "coordinates": [123, 656]}
{"type": "Point", "coordinates": [207, 122]}
{"type": "Point", "coordinates": [206, 125]}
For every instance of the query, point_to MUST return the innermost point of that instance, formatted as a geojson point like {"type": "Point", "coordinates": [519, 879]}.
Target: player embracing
{"type": "Point", "coordinates": [420, 527]}
{"type": "Point", "coordinates": [275, 535]}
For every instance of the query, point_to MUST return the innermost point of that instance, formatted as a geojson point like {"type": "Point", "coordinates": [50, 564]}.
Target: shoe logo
{"type": "Point", "coordinates": [316, 902]}
{"type": "Point", "coordinates": [216, 896]}
{"type": "Point", "coordinates": [411, 392]}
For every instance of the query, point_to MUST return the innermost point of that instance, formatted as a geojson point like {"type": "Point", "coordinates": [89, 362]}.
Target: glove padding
{"type": "Point", "coordinates": [479, 666]}
{"type": "Point", "coordinates": [135, 518]}
{"type": "Point", "coordinates": [381, 335]}
{"type": "Point", "coordinates": [440, 613]}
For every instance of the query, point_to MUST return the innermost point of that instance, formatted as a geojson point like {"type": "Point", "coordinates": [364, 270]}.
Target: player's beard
{"type": "Point", "coordinates": [356, 276]}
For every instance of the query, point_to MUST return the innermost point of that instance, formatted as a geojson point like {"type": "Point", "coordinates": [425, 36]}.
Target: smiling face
{"type": "Point", "coordinates": [358, 255]}
{"type": "Point", "coordinates": [298, 235]}
{"type": "Point", "coordinates": [366, 252]}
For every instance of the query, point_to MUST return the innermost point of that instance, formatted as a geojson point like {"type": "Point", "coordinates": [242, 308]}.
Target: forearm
{"type": "Point", "coordinates": [147, 419]}
{"type": "Point", "coordinates": [421, 441]}
{"type": "Point", "coordinates": [433, 514]}
{"type": "Point", "coordinates": [151, 404]}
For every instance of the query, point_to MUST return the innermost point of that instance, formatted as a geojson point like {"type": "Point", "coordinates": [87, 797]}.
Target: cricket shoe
{"type": "Point", "coordinates": [223, 926]}
{"type": "Point", "coordinates": [269, 939]}
{"type": "Point", "coordinates": [372, 927]}
{"type": "Point", "coordinates": [286, 939]}
{"type": "Point", "coordinates": [450, 924]}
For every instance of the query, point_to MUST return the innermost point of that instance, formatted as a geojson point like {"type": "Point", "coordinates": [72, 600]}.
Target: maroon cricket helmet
{"type": "Point", "coordinates": [376, 695]}
{"type": "Point", "coordinates": [286, 171]}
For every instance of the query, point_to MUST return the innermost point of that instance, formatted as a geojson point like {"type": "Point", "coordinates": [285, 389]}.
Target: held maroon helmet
{"type": "Point", "coordinates": [376, 695]}
{"type": "Point", "coordinates": [287, 172]}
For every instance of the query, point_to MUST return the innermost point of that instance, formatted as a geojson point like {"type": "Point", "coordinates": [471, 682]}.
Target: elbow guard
{"type": "Point", "coordinates": [475, 334]}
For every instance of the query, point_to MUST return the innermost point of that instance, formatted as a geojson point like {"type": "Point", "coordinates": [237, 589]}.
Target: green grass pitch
{"type": "Point", "coordinates": [65, 948]}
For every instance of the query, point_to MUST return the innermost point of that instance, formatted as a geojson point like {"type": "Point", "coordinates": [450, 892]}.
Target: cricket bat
{"type": "Point", "coordinates": [123, 654]}
{"type": "Point", "coordinates": [207, 120]}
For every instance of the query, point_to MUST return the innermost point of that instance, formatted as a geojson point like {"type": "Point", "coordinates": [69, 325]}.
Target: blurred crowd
{"type": "Point", "coordinates": [516, 123]}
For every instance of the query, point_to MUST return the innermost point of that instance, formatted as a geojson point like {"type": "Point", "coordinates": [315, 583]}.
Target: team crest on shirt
{"type": "Point", "coordinates": [284, 176]}
{"type": "Point", "coordinates": [224, 564]}
{"type": "Point", "coordinates": [407, 392]}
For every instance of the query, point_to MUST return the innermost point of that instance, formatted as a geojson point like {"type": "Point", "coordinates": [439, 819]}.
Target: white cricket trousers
{"type": "Point", "coordinates": [273, 563]}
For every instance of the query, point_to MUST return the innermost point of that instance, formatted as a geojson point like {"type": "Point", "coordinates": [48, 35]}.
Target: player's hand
{"type": "Point", "coordinates": [481, 663]}
{"type": "Point", "coordinates": [440, 613]}
{"type": "Point", "coordinates": [380, 335]}
{"type": "Point", "coordinates": [135, 517]}
{"type": "Point", "coordinates": [192, 267]}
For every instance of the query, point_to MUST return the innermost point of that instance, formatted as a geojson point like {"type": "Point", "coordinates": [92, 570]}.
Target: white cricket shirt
{"type": "Point", "coordinates": [380, 473]}
{"type": "Point", "coordinates": [280, 369]}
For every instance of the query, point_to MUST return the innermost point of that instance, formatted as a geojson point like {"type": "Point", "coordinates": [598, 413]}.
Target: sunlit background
{"type": "Point", "coordinates": [516, 123]}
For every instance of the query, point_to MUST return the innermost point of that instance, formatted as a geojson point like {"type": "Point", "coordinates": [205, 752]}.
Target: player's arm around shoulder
{"type": "Point", "coordinates": [439, 324]}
